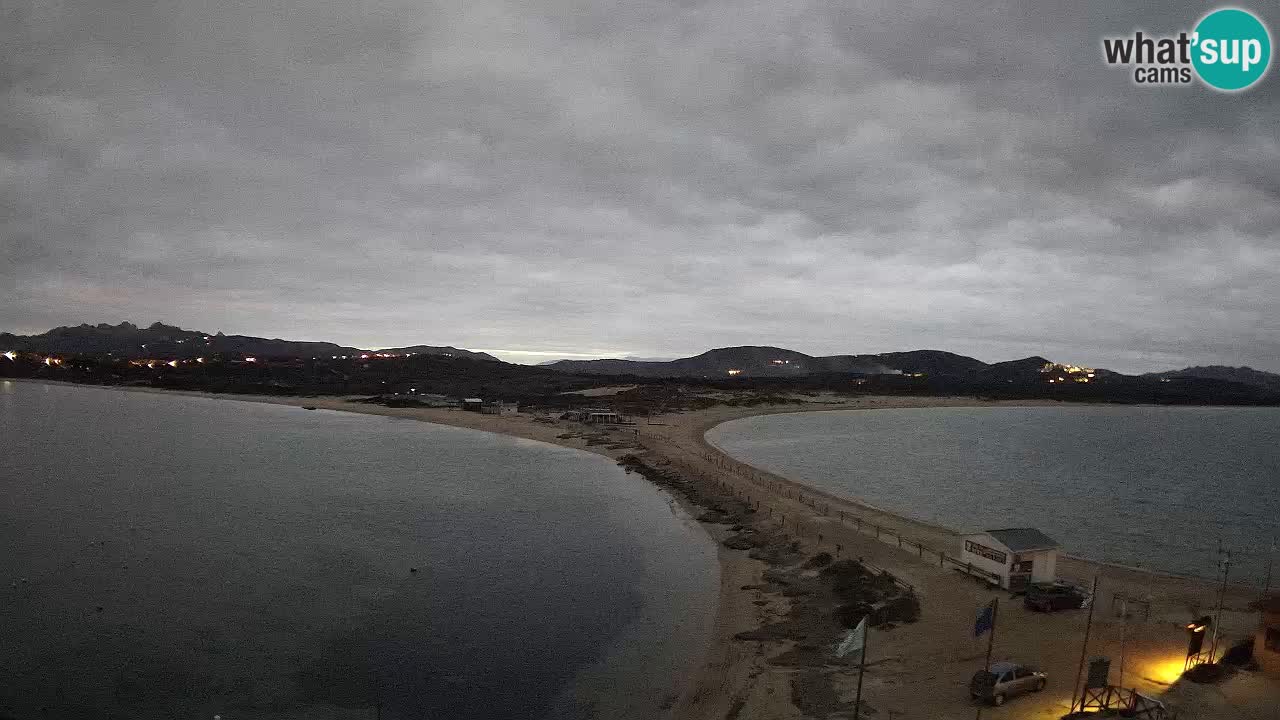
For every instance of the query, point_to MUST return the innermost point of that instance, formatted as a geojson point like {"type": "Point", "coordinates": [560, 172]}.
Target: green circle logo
{"type": "Point", "coordinates": [1232, 49]}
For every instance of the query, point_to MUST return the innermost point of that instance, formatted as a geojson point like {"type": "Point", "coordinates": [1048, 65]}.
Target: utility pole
{"type": "Point", "coordinates": [1271, 556]}
{"type": "Point", "coordinates": [1084, 647]}
{"type": "Point", "coordinates": [1222, 595]}
{"type": "Point", "coordinates": [1124, 627]}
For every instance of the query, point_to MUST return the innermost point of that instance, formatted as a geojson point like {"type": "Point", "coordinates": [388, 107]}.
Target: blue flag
{"type": "Point", "coordinates": [986, 618]}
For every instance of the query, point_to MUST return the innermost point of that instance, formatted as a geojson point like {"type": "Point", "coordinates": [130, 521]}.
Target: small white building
{"type": "Point", "coordinates": [1016, 556]}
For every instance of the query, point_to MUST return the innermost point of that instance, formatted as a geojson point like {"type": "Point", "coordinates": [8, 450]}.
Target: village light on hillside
{"type": "Point", "coordinates": [735, 372]}
{"type": "Point", "coordinates": [11, 355]}
{"type": "Point", "coordinates": [172, 363]}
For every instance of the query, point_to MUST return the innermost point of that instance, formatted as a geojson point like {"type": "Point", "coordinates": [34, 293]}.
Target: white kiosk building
{"type": "Point", "coordinates": [1016, 556]}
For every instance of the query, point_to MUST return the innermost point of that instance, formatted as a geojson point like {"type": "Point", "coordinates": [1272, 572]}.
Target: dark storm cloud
{"type": "Point", "coordinates": [609, 177]}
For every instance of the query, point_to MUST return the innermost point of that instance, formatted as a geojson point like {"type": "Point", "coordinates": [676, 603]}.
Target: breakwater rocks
{"type": "Point", "coordinates": [809, 602]}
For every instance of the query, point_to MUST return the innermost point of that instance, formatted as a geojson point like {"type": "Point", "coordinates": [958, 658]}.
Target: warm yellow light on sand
{"type": "Point", "coordinates": [1164, 672]}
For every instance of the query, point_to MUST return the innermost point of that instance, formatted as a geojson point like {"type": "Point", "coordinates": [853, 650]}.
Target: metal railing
{"type": "Point", "coordinates": [820, 503]}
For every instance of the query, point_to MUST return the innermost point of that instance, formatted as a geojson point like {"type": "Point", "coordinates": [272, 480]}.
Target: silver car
{"type": "Point", "coordinates": [1005, 680]}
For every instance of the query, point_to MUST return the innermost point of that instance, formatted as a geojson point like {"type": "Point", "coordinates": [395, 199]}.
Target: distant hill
{"type": "Point", "coordinates": [127, 340]}
{"type": "Point", "coordinates": [1242, 375]}
{"type": "Point", "coordinates": [446, 350]}
{"type": "Point", "coordinates": [766, 361]}
{"type": "Point", "coordinates": [1024, 370]}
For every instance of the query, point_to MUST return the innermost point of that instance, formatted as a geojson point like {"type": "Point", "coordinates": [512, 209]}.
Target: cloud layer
{"type": "Point", "coordinates": [636, 178]}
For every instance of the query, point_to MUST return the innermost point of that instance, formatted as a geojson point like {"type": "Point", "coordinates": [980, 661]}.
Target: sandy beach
{"type": "Point", "coordinates": [916, 670]}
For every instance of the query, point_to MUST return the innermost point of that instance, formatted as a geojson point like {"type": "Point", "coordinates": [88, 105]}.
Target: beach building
{"type": "Point", "coordinates": [473, 404]}
{"type": "Point", "coordinates": [1266, 648]}
{"type": "Point", "coordinates": [601, 416]}
{"type": "Point", "coordinates": [594, 416]}
{"type": "Point", "coordinates": [498, 407]}
{"type": "Point", "coordinates": [1016, 556]}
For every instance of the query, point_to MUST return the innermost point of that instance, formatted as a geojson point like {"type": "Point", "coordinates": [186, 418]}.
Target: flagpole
{"type": "Point", "coordinates": [862, 668]}
{"type": "Point", "coordinates": [991, 641]}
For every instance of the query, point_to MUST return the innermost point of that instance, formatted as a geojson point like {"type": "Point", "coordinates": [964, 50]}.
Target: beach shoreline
{"type": "Point", "coordinates": [731, 678]}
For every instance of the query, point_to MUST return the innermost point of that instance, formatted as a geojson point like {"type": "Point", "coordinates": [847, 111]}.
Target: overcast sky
{"type": "Point", "coordinates": [637, 178]}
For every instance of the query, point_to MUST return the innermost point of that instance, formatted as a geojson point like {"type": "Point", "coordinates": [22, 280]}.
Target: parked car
{"type": "Point", "coordinates": [1050, 597]}
{"type": "Point", "coordinates": [1005, 680]}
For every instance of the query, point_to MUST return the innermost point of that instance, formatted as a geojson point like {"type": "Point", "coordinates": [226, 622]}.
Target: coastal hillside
{"type": "Point", "coordinates": [158, 340]}
{"type": "Point", "coordinates": [771, 362]}
{"type": "Point", "coordinates": [1242, 375]}
{"type": "Point", "coordinates": [167, 356]}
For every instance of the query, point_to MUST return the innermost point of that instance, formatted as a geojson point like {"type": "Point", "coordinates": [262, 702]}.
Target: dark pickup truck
{"type": "Point", "coordinates": [1051, 597]}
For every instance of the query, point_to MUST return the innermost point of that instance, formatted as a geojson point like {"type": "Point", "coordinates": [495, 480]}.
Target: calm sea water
{"type": "Point", "coordinates": [1154, 487]}
{"type": "Point", "coordinates": [170, 557]}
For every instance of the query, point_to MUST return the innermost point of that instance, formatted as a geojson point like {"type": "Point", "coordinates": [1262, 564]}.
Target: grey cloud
{"type": "Point", "coordinates": [650, 178]}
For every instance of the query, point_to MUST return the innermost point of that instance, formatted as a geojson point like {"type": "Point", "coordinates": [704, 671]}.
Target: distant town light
{"type": "Point", "coordinates": [199, 360]}
{"type": "Point", "coordinates": [251, 359]}
{"type": "Point", "coordinates": [11, 355]}
{"type": "Point", "coordinates": [735, 371]}
{"type": "Point", "coordinates": [172, 363]}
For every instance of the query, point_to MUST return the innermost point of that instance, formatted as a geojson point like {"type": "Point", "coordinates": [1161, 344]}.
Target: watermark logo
{"type": "Point", "coordinates": [1229, 50]}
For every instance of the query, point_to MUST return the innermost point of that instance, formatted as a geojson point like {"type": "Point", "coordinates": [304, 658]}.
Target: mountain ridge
{"type": "Point", "coordinates": [127, 340]}
{"type": "Point", "coordinates": [772, 361]}
{"type": "Point", "coordinates": [1243, 374]}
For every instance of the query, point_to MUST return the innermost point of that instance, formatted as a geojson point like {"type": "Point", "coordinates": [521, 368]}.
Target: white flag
{"type": "Point", "coordinates": [856, 638]}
